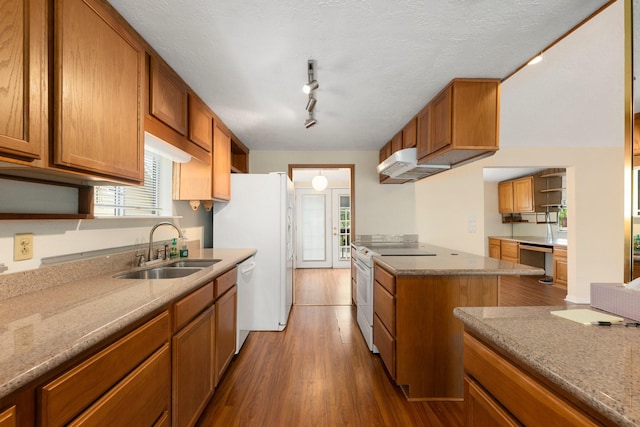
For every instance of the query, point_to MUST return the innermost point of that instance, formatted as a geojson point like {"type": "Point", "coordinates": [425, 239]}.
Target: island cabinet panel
{"type": "Point", "coordinates": [510, 389]}
{"type": "Point", "coordinates": [419, 340]}
{"type": "Point", "coordinates": [193, 368]}
{"type": "Point", "coordinates": [23, 82]}
{"type": "Point", "coordinates": [8, 417]}
{"type": "Point", "coordinates": [99, 73]}
{"type": "Point", "coordinates": [64, 398]}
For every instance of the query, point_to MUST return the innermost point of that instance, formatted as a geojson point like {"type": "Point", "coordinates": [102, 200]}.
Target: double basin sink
{"type": "Point", "coordinates": [174, 270]}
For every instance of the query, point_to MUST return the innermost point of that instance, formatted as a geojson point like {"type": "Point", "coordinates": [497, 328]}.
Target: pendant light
{"type": "Point", "coordinates": [319, 182]}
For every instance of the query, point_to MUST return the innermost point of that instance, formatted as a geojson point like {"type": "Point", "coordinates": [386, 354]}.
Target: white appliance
{"type": "Point", "coordinates": [260, 215]}
{"type": "Point", "coordinates": [246, 290]}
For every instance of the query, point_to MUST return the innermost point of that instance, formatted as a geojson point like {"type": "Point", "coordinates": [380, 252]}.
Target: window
{"type": "Point", "coordinates": [151, 199]}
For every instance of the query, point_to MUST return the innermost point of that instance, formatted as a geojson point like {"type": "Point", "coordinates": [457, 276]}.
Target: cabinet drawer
{"type": "Point", "coordinates": [385, 278]}
{"type": "Point", "coordinates": [560, 252]}
{"type": "Point", "coordinates": [386, 345]}
{"type": "Point", "coordinates": [138, 400]}
{"type": "Point", "coordinates": [8, 417]}
{"type": "Point", "coordinates": [509, 251]}
{"type": "Point", "coordinates": [66, 396]}
{"type": "Point", "coordinates": [224, 282]}
{"type": "Point", "coordinates": [481, 409]}
{"type": "Point", "coordinates": [191, 305]}
{"type": "Point", "coordinates": [522, 395]}
{"type": "Point", "coordinates": [384, 305]}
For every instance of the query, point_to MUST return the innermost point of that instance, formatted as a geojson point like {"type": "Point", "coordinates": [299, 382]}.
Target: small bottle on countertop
{"type": "Point", "coordinates": [184, 249]}
{"type": "Point", "coordinates": [173, 252]}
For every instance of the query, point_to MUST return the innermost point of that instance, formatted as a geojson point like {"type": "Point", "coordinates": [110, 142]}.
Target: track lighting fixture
{"type": "Point", "coordinates": [309, 122]}
{"type": "Point", "coordinates": [312, 84]}
{"type": "Point", "coordinates": [311, 104]}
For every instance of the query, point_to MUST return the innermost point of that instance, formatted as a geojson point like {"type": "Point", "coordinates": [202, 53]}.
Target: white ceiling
{"type": "Point", "coordinates": [378, 61]}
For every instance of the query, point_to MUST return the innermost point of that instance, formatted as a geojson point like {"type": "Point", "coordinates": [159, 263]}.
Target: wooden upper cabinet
{"type": "Point", "coordinates": [168, 100]}
{"type": "Point", "coordinates": [505, 197]}
{"type": "Point", "coordinates": [523, 195]}
{"type": "Point", "coordinates": [221, 163]}
{"type": "Point", "coordinates": [440, 125]}
{"type": "Point", "coordinates": [200, 123]}
{"type": "Point", "coordinates": [23, 79]}
{"type": "Point", "coordinates": [463, 122]}
{"type": "Point", "coordinates": [422, 135]}
{"type": "Point", "coordinates": [409, 134]}
{"type": "Point", "coordinates": [396, 142]}
{"type": "Point", "coordinates": [98, 92]}
{"type": "Point", "coordinates": [636, 134]}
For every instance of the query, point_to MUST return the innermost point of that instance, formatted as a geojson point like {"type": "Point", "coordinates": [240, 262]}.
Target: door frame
{"type": "Point", "coordinates": [352, 183]}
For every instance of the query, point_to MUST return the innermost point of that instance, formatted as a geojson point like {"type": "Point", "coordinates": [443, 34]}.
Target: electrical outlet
{"type": "Point", "coordinates": [22, 246]}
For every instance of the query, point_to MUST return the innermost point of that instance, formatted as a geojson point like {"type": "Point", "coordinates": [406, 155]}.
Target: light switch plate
{"type": "Point", "coordinates": [22, 246]}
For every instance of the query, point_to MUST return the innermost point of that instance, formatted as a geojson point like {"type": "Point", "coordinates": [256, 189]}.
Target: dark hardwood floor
{"type": "Point", "coordinates": [319, 372]}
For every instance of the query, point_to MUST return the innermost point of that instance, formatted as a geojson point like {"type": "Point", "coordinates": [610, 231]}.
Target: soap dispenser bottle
{"type": "Point", "coordinates": [184, 250]}
{"type": "Point", "coordinates": [173, 252]}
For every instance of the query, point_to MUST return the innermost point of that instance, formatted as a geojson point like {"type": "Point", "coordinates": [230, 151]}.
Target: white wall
{"type": "Point", "coordinates": [383, 209]}
{"type": "Point", "coordinates": [567, 111]}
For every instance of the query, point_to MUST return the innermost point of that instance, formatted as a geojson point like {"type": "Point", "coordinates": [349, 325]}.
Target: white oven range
{"type": "Point", "coordinates": [365, 248]}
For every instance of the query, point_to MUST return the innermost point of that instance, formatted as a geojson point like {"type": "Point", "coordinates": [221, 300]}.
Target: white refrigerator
{"type": "Point", "coordinates": [260, 215]}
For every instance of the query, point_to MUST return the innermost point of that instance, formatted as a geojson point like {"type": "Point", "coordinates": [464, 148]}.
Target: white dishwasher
{"type": "Point", "coordinates": [246, 292]}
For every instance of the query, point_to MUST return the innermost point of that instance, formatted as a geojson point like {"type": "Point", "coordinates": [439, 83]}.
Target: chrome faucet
{"type": "Point", "coordinates": [151, 236]}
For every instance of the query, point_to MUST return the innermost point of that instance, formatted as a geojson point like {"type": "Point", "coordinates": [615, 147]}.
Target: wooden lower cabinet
{"type": "Point", "coordinates": [193, 368]}
{"type": "Point", "coordinates": [114, 376]}
{"type": "Point", "coordinates": [500, 393]}
{"type": "Point", "coordinates": [8, 417]}
{"type": "Point", "coordinates": [494, 248]}
{"type": "Point", "coordinates": [509, 251]}
{"type": "Point", "coordinates": [419, 340]}
{"type": "Point", "coordinates": [560, 275]}
{"type": "Point", "coordinates": [225, 347]}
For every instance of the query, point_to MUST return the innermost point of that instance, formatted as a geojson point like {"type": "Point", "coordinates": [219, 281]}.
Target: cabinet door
{"type": "Point", "coordinates": [168, 100]}
{"type": "Point", "coordinates": [422, 135]}
{"type": "Point", "coordinates": [510, 251]}
{"type": "Point", "coordinates": [23, 79]}
{"type": "Point", "coordinates": [409, 134]}
{"type": "Point", "coordinates": [193, 368]}
{"type": "Point", "coordinates": [396, 142]}
{"type": "Point", "coordinates": [225, 331]}
{"type": "Point", "coordinates": [99, 75]}
{"type": "Point", "coordinates": [8, 417]}
{"type": "Point", "coordinates": [482, 410]}
{"type": "Point", "coordinates": [505, 197]}
{"type": "Point", "coordinates": [440, 120]}
{"type": "Point", "coordinates": [560, 276]}
{"type": "Point", "coordinates": [494, 248]}
{"type": "Point", "coordinates": [523, 195]}
{"type": "Point", "coordinates": [221, 186]}
{"type": "Point", "coordinates": [192, 180]}
{"type": "Point", "coordinates": [200, 123]}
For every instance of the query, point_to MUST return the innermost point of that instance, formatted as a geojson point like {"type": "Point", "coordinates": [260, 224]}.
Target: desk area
{"type": "Point", "coordinates": [533, 250]}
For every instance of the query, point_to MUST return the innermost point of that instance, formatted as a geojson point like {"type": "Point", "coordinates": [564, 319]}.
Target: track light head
{"type": "Point", "coordinates": [310, 87]}
{"type": "Point", "coordinates": [311, 104]}
{"type": "Point", "coordinates": [309, 122]}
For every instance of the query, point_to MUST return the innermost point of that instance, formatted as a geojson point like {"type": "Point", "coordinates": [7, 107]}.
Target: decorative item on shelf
{"type": "Point", "coordinates": [309, 88]}
{"type": "Point", "coordinates": [562, 217]}
{"type": "Point", "coordinates": [319, 182]}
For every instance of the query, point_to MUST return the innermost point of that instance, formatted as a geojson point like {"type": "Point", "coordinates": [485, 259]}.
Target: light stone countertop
{"type": "Point", "coordinates": [536, 240]}
{"type": "Point", "coordinates": [449, 262]}
{"type": "Point", "coordinates": [597, 365]}
{"type": "Point", "coordinates": [43, 329]}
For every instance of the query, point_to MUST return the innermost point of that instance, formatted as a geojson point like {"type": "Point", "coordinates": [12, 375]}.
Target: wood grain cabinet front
{"type": "Point", "coordinates": [169, 96]}
{"type": "Point", "coordinates": [494, 248]}
{"type": "Point", "coordinates": [8, 417]}
{"type": "Point", "coordinates": [69, 395]}
{"type": "Point", "coordinates": [200, 123]}
{"type": "Point", "coordinates": [225, 348]}
{"type": "Point", "coordinates": [510, 251]}
{"type": "Point", "coordinates": [98, 73]}
{"type": "Point", "coordinates": [221, 163]}
{"type": "Point", "coordinates": [500, 393]}
{"type": "Point", "coordinates": [560, 275]}
{"type": "Point", "coordinates": [23, 72]}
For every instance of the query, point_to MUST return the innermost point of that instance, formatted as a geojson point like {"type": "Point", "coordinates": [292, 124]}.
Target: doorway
{"type": "Point", "coordinates": [325, 218]}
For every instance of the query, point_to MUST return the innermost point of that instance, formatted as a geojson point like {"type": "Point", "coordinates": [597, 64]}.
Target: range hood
{"type": "Point", "coordinates": [403, 164]}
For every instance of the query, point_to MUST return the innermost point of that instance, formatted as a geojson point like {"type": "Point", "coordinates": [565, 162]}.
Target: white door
{"type": "Point", "coordinates": [313, 234]}
{"type": "Point", "coordinates": [341, 227]}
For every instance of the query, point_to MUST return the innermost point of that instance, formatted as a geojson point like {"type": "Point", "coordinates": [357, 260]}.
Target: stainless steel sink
{"type": "Point", "coordinates": [200, 263]}
{"type": "Point", "coordinates": [160, 273]}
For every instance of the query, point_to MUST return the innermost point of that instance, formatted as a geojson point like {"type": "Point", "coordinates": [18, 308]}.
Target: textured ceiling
{"type": "Point", "coordinates": [378, 61]}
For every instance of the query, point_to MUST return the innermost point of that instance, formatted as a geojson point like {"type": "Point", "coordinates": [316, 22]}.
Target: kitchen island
{"type": "Point", "coordinates": [543, 368]}
{"type": "Point", "coordinates": [55, 317]}
{"type": "Point", "coordinates": [419, 340]}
